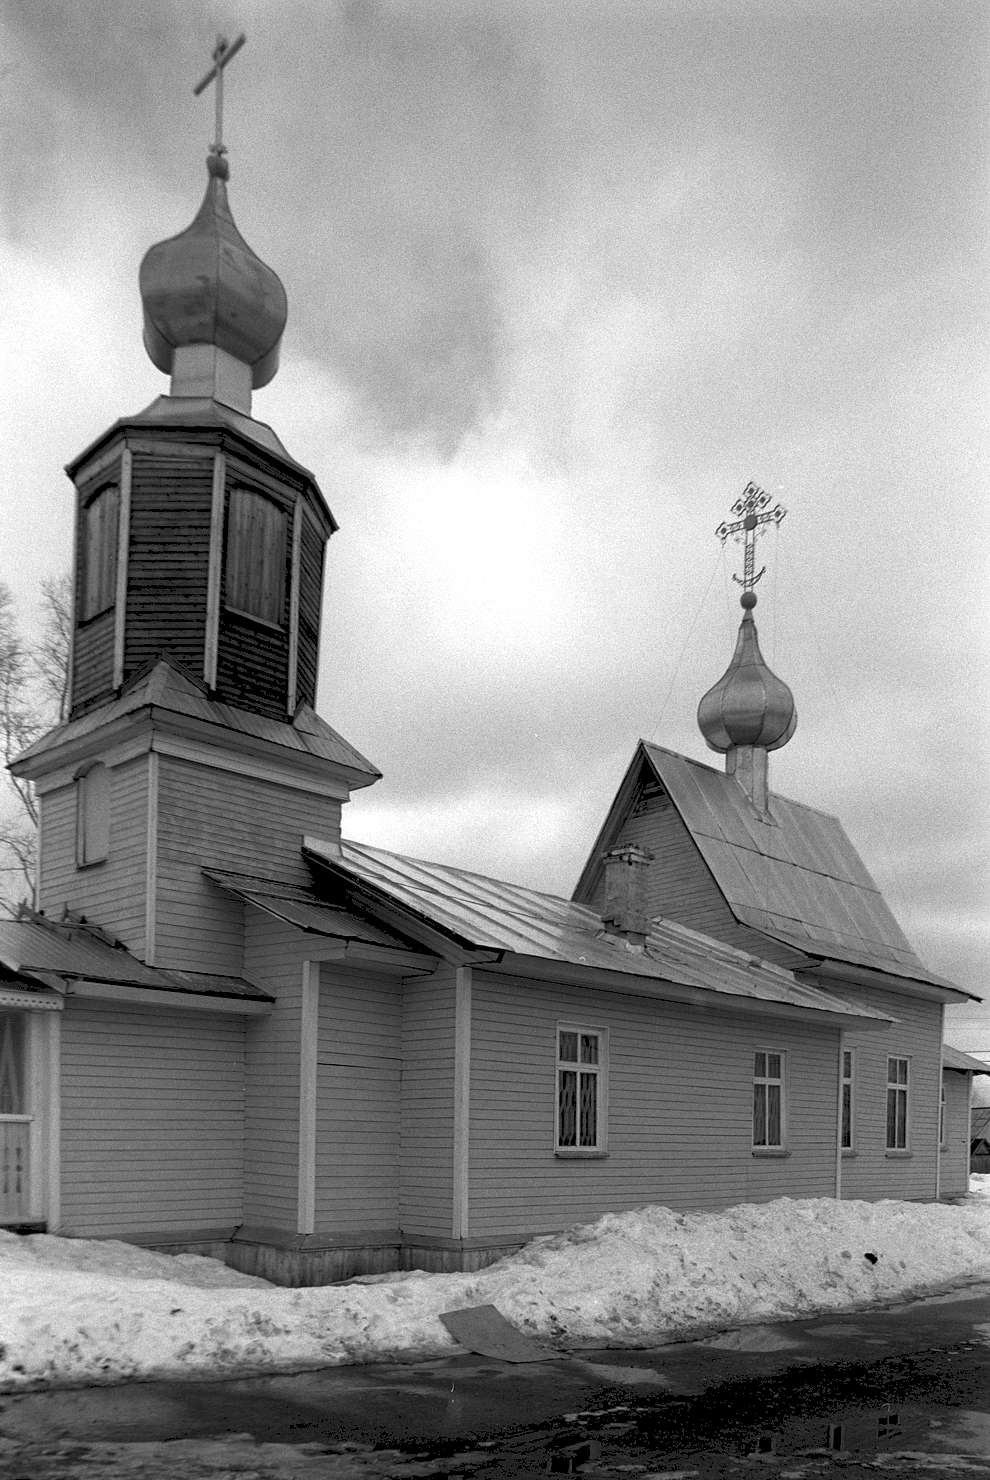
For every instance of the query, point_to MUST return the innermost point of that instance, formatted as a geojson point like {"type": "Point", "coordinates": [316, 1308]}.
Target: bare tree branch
{"type": "Point", "coordinates": [51, 652]}
{"type": "Point", "coordinates": [33, 698]}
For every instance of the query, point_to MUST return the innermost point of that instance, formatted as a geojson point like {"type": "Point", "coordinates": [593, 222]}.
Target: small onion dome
{"type": "Point", "coordinates": [749, 705]}
{"type": "Point", "coordinates": [206, 286]}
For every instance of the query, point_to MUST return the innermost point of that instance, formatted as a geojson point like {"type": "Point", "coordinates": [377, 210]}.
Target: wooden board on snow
{"type": "Point", "coordinates": [483, 1329]}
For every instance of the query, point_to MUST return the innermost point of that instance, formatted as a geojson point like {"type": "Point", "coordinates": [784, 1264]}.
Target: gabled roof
{"type": "Point", "coordinates": [52, 954]}
{"type": "Point", "coordinates": [797, 879]}
{"type": "Point", "coordinates": [954, 1058]}
{"type": "Point", "coordinates": [167, 687]}
{"type": "Point", "coordinates": [521, 925]}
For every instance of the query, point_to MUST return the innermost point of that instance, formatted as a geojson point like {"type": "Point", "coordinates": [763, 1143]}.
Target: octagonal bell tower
{"type": "Point", "coordinates": [199, 539]}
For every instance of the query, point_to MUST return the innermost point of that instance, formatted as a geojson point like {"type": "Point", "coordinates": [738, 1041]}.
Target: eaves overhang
{"type": "Point", "coordinates": [830, 1011]}
{"type": "Point", "coordinates": [182, 413]}
{"type": "Point", "coordinates": [932, 989]}
{"type": "Point", "coordinates": [139, 720]}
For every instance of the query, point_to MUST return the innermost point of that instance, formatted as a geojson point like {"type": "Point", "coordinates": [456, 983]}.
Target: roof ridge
{"type": "Point", "coordinates": [715, 771]}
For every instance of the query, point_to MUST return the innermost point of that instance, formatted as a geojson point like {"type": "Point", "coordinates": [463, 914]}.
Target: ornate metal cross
{"type": "Point", "coordinates": [223, 52]}
{"type": "Point", "coordinates": [753, 513]}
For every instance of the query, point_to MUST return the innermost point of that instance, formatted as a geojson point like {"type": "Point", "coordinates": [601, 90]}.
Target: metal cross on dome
{"type": "Point", "coordinates": [751, 507]}
{"type": "Point", "coordinates": [223, 52]}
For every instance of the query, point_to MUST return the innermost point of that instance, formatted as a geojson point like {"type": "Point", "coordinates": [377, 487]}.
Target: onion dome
{"type": "Point", "coordinates": [749, 705]}
{"type": "Point", "coordinates": [207, 287]}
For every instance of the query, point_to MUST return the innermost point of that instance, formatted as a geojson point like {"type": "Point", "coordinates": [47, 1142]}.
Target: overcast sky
{"type": "Point", "coordinates": [562, 278]}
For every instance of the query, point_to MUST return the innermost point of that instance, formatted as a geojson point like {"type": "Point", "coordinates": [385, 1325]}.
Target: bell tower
{"type": "Point", "coordinates": [192, 742]}
{"type": "Point", "coordinates": [199, 539]}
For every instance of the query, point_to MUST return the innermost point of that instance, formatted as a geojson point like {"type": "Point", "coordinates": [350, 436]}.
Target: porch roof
{"type": "Point", "coordinates": [303, 908]}
{"type": "Point", "coordinates": [954, 1058]}
{"type": "Point", "coordinates": [53, 954]}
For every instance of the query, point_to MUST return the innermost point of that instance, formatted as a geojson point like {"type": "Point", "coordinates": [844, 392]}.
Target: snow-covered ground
{"type": "Point", "coordinates": [75, 1311]}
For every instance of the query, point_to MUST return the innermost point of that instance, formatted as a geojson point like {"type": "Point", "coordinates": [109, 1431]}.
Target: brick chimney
{"type": "Point", "coordinates": [625, 881]}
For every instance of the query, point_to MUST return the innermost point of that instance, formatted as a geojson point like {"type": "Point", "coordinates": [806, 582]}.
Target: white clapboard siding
{"type": "Point", "coordinates": [358, 1101]}
{"type": "Point", "coordinates": [152, 1120]}
{"type": "Point", "coordinates": [680, 1091]}
{"type": "Point", "coordinates": [273, 959]}
{"type": "Point", "coordinates": [916, 1035]}
{"type": "Point", "coordinates": [111, 892]}
{"type": "Point", "coordinates": [955, 1153]}
{"type": "Point", "coordinates": [210, 818]}
{"type": "Point", "coordinates": [426, 1181]}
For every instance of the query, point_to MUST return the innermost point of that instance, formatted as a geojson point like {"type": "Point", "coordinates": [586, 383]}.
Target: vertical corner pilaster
{"type": "Point", "coordinates": [215, 572]}
{"type": "Point", "coordinates": [460, 1212]}
{"type": "Point", "coordinates": [123, 549]}
{"type": "Point", "coordinates": [151, 862]}
{"type": "Point", "coordinates": [53, 1121]}
{"type": "Point", "coordinates": [309, 1029]}
{"type": "Point", "coordinates": [294, 607]}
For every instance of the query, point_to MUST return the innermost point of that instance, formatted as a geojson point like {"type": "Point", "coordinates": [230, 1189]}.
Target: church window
{"type": "Point", "coordinates": [99, 551]}
{"type": "Point", "coordinates": [768, 1101]}
{"type": "Point", "coordinates": [92, 815]}
{"type": "Point", "coordinates": [254, 574]}
{"type": "Point", "coordinates": [897, 1104]}
{"type": "Point", "coordinates": [581, 1085]}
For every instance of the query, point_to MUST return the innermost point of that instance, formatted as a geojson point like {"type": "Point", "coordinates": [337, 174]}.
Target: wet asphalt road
{"type": "Point", "coordinates": [873, 1388]}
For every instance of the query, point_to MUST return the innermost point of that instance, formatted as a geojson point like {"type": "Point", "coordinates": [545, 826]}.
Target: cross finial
{"type": "Point", "coordinates": [751, 507]}
{"type": "Point", "coordinates": [223, 52]}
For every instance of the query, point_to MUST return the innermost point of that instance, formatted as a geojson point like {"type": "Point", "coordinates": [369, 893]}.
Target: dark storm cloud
{"type": "Point", "coordinates": [561, 278]}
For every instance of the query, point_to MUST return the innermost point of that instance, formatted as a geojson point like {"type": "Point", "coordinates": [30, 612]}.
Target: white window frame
{"type": "Point", "coordinates": [901, 1088]}
{"type": "Point", "coordinates": [92, 815]}
{"type": "Point", "coordinates": [848, 1082]}
{"type": "Point", "coordinates": [765, 1081]}
{"type": "Point", "coordinates": [941, 1115]}
{"type": "Point", "coordinates": [598, 1071]}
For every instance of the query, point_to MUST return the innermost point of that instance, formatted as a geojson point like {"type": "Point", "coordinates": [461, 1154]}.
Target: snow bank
{"type": "Point", "coordinates": [74, 1311]}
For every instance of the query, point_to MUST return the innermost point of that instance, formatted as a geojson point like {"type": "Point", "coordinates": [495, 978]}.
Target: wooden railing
{"type": "Point", "coordinates": [15, 1166]}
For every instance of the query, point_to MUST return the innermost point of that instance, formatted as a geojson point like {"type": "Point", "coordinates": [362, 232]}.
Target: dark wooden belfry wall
{"type": "Point", "coordinates": [165, 542]}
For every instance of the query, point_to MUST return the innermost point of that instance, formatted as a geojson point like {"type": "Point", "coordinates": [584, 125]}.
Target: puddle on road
{"type": "Point", "coordinates": [927, 1413]}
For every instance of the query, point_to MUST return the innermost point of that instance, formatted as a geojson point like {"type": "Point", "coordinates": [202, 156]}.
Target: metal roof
{"type": "Point", "coordinates": [45, 950]}
{"type": "Point", "coordinates": [166, 687]}
{"type": "Point", "coordinates": [202, 411]}
{"type": "Point", "coordinates": [954, 1058]}
{"type": "Point", "coordinates": [302, 908]}
{"type": "Point", "coordinates": [797, 878]}
{"type": "Point", "coordinates": [487, 914]}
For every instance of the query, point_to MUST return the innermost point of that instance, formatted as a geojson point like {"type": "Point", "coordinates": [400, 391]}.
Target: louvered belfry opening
{"type": "Point", "coordinates": [200, 540]}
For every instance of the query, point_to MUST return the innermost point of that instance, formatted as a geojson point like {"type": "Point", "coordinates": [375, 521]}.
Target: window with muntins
{"type": "Point", "coordinates": [254, 571]}
{"type": "Point", "coordinates": [581, 1066]}
{"type": "Point", "coordinates": [897, 1104]}
{"type": "Point", "coordinates": [99, 552]}
{"type": "Point", "coordinates": [847, 1100]}
{"type": "Point", "coordinates": [92, 815]}
{"type": "Point", "coordinates": [768, 1100]}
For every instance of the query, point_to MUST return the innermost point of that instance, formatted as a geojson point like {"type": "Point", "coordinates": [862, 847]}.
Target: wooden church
{"type": "Point", "coordinates": [227, 1029]}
